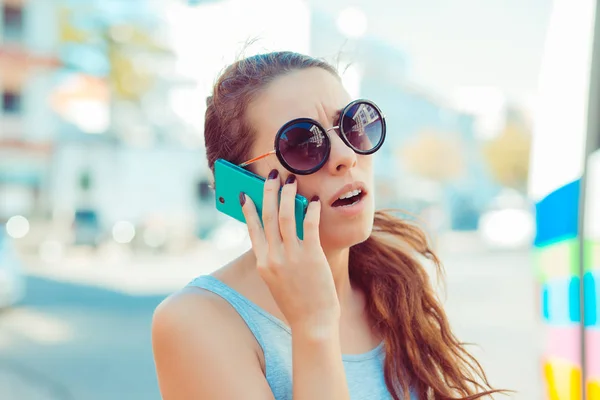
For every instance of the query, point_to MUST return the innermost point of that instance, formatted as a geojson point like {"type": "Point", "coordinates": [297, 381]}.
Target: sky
{"type": "Point", "coordinates": [458, 44]}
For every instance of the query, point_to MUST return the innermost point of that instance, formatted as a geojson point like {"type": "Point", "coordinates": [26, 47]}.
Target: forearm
{"type": "Point", "coordinates": [318, 370]}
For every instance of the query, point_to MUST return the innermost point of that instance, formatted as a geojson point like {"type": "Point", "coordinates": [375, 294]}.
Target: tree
{"type": "Point", "coordinates": [434, 155]}
{"type": "Point", "coordinates": [127, 56]}
{"type": "Point", "coordinates": [507, 155]}
{"type": "Point", "coordinates": [85, 181]}
{"type": "Point", "coordinates": [130, 75]}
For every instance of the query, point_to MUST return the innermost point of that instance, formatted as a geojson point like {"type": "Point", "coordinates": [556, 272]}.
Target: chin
{"type": "Point", "coordinates": [347, 233]}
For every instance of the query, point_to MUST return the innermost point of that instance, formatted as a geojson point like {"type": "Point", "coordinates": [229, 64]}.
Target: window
{"type": "Point", "coordinates": [363, 118]}
{"type": "Point", "coordinates": [11, 103]}
{"type": "Point", "coordinates": [12, 23]}
{"type": "Point", "coordinates": [203, 190]}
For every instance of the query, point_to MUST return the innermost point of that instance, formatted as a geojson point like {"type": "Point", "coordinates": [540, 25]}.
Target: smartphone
{"type": "Point", "coordinates": [231, 179]}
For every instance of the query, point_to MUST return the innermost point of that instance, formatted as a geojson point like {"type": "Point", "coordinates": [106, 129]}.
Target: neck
{"type": "Point", "coordinates": [339, 264]}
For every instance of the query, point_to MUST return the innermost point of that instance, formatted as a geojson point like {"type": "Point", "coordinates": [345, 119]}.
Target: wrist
{"type": "Point", "coordinates": [317, 328]}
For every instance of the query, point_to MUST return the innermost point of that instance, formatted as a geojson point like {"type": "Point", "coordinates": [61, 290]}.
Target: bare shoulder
{"type": "Point", "coordinates": [201, 311]}
{"type": "Point", "coordinates": [195, 317]}
{"type": "Point", "coordinates": [196, 338]}
{"type": "Point", "coordinates": [183, 309]}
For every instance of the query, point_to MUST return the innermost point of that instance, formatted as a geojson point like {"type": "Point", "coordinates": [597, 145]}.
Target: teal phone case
{"type": "Point", "coordinates": [231, 179]}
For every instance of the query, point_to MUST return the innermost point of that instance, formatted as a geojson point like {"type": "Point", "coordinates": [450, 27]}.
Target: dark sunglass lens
{"type": "Point", "coordinates": [362, 125]}
{"type": "Point", "coordinates": [303, 146]}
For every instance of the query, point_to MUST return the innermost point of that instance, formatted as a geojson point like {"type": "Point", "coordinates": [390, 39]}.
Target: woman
{"type": "Point", "coordinates": [346, 313]}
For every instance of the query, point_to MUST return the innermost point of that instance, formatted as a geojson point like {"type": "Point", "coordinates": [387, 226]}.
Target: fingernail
{"type": "Point", "coordinates": [315, 198]}
{"type": "Point", "coordinates": [290, 179]}
{"type": "Point", "coordinates": [273, 174]}
{"type": "Point", "coordinates": [242, 199]}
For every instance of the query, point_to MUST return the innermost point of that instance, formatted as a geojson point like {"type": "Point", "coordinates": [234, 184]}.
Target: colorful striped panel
{"type": "Point", "coordinates": [593, 390]}
{"type": "Point", "coordinates": [592, 356]}
{"type": "Point", "coordinates": [592, 255]}
{"type": "Point", "coordinates": [591, 282]}
{"type": "Point", "coordinates": [563, 380]}
{"type": "Point", "coordinates": [563, 343]}
{"type": "Point", "coordinates": [557, 260]}
{"type": "Point", "coordinates": [560, 302]}
{"type": "Point", "coordinates": [556, 252]}
{"type": "Point", "coordinates": [557, 215]}
{"type": "Point", "coordinates": [561, 259]}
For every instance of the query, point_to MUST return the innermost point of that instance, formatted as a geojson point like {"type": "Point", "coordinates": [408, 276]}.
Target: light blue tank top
{"type": "Point", "coordinates": [364, 372]}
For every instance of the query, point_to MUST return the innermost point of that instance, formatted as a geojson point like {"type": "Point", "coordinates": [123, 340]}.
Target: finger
{"type": "Point", "coordinates": [312, 220]}
{"type": "Point", "coordinates": [255, 229]}
{"type": "Point", "coordinates": [287, 206]}
{"type": "Point", "coordinates": [270, 209]}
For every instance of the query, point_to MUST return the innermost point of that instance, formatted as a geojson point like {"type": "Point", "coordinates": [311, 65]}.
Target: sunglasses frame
{"type": "Point", "coordinates": [325, 132]}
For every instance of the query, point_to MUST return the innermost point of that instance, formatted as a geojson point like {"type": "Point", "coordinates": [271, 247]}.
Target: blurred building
{"type": "Point", "coordinates": [103, 107]}
{"type": "Point", "coordinates": [417, 122]}
{"type": "Point", "coordinates": [138, 155]}
{"type": "Point", "coordinates": [28, 60]}
{"type": "Point", "coordinates": [124, 156]}
{"type": "Point", "coordinates": [76, 98]}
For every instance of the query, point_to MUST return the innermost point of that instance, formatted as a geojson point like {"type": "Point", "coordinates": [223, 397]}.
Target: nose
{"type": "Point", "coordinates": [341, 157]}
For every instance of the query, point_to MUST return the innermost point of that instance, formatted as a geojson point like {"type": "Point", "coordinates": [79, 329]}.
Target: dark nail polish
{"type": "Point", "coordinates": [290, 179]}
{"type": "Point", "coordinates": [315, 198]}
{"type": "Point", "coordinates": [273, 174]}
{"type": "Point", "coordinates": [242, 199]}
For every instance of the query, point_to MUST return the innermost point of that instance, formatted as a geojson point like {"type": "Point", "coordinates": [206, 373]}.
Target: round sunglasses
{"type": "Point", "coordinates": [303, 146]}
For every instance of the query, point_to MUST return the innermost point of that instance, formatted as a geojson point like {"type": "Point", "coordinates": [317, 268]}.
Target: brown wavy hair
{"type": "Point", "coordinates": [422, 354]}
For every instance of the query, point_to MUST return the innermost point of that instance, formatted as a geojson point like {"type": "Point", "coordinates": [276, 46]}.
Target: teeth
{"type": "Point", "coordinates": [350, 194]}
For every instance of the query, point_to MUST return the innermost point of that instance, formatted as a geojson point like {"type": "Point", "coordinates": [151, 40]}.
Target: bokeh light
{"type": "Point", "coordinates": [17, 227]}
{"type": "Point", "coordinates": [123, 232]}
{"type": "Point", "coordinates": [352, 22]}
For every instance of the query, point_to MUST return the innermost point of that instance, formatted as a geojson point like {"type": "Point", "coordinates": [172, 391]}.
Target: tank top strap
{"type": "Point", "coordinates": [256, 318]}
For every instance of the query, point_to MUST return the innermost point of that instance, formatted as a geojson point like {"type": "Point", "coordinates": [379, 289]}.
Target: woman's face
{"type": "Point", "coordinates": [316, 93]}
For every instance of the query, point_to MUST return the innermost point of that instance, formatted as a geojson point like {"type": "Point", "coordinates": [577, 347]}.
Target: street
{"type": "Point", "coordinates": [89, 339]}
{"type": "Point", "coordinates": [99, 344]}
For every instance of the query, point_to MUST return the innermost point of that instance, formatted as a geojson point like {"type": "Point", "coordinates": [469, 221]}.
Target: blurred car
{"type": "Point", "coordinates": [86, 228]}
{"type": "Point", "coordinates": [508, 223]}
{"type": "Point", "coordinates": [12, 277]}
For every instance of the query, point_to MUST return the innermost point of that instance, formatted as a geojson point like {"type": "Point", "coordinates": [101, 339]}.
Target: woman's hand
{"type": "Point", "coordinates": [296, 271]}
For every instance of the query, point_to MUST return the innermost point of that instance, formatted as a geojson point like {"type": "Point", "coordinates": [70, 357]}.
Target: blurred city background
{"type": "Point", "coordinates": [105, 205]}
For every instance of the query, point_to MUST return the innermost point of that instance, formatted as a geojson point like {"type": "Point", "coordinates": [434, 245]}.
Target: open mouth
{"type": "Point", "coordinates": [349, 199]}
